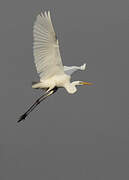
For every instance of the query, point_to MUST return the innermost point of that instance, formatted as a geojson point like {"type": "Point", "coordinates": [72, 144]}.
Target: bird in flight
{"type": "Point", "coordinates": [53, 75]}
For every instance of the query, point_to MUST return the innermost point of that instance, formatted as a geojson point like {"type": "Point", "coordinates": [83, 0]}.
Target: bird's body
{"type": "Point", "coordinates": [56, 80]}
{"type": "Point", "coordinates": [47, 59]}
{"type": "Point", "coordinates": [60, 80]}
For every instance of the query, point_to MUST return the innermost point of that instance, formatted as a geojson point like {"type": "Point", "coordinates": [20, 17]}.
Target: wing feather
{"type": "Point", "coordinates": [45, 47]}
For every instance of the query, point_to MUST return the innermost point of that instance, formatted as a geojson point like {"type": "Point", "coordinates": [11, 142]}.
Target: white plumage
{"type": "Point", "coordinates": [47, 57]}
{"type": "Point", "coordinates": [45, 48]}
{"type": "Point", "coordinates": [48, 62]}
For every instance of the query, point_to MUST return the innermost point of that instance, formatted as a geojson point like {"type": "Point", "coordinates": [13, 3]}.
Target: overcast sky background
{"type": "Point", "coordinates": [84, 136]}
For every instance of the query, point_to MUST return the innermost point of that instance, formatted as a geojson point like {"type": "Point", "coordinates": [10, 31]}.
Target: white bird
{"type": "Point", "coordinates": [52, 73]}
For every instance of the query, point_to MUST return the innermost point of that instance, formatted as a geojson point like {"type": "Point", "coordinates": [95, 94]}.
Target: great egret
{"type": "Point", "coordinates": [52, 73]}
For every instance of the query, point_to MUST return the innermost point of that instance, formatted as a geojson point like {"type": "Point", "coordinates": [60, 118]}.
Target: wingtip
{"type": "Point", "coordinates": [49, 15]}
{"type": "Point", "coordinates": [83, 67]}
{"type": "Point", "coordinates": [45, 14]}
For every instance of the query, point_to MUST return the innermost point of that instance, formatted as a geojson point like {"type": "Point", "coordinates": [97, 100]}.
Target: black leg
{"type": "Point", "coordinates": [38, 101]}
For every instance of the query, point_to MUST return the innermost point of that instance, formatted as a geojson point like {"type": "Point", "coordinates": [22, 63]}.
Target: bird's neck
{"type": "Point", "coordinates": [71, 87]}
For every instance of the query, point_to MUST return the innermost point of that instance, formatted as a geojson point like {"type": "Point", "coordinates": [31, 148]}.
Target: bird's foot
{"type": "Point", "coordinates": [22, 117]}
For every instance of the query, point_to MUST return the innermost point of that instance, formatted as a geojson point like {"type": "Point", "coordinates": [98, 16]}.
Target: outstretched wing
{"type": "Point", "coordinates": [45, 47]}
{"type": "Point", "coordinates": [69, 70]}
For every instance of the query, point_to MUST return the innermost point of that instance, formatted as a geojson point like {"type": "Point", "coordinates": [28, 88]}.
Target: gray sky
{"type": "Point", "coordinates": [81, 136]}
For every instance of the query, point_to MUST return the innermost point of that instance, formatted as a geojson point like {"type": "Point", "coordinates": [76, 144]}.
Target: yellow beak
{"type": "Point", "coordinates": [86, 83]}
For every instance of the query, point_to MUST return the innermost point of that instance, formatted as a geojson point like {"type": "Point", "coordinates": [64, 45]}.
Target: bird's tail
{"type": "Point", "coordinates": [35, 85]}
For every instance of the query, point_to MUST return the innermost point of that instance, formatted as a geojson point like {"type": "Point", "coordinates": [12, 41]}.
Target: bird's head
{"type": "Point", "coordinates": [71, 88]}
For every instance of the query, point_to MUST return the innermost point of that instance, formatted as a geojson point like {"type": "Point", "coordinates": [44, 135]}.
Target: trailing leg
{"type": "Point", "coordinates": [38, 101]}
